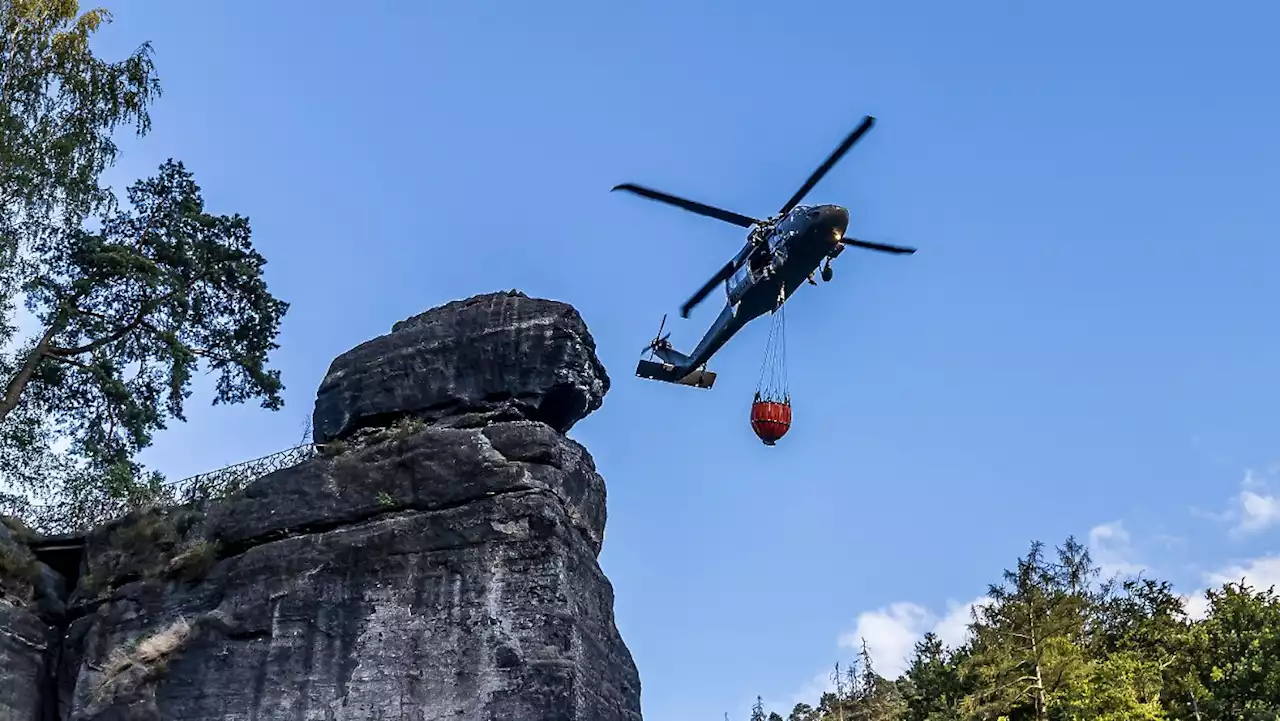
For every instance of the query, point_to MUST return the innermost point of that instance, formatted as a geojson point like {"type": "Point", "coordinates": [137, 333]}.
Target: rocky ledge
{"type": "Point", "coordinates": [437, 561]}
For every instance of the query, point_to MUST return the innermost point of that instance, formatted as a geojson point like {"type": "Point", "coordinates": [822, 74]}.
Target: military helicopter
{"type": "Point", "coordinates": [781, 253]}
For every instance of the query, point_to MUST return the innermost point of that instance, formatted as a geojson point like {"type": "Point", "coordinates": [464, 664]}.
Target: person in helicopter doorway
{"type": "Point", "coordinates": [759, 259]}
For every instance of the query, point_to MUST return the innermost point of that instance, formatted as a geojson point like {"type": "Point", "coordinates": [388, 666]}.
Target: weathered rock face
{"type": "Point", "coordinates": [500, 355]}
{"type": "Point", "coordinates": [29, 611]}
{"type": "Point", "coordinates": [434, 569]}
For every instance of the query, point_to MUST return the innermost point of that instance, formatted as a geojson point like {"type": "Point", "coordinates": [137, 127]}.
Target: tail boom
{"type": "Point", "coordinates": [678, 374]}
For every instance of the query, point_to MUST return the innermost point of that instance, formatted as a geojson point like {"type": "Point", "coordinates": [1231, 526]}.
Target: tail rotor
{"type": "Point", "coordinates": [659, 341]}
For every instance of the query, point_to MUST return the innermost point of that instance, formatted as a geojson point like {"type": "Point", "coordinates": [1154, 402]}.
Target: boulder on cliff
{"type": "Point", "coordinates": [443, 565]}
{"type": "Point", "coordinates": [498, 355]}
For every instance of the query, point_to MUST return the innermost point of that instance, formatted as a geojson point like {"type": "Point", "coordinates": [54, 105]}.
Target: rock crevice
{"type": "Point", "coordinates": [439, 560]}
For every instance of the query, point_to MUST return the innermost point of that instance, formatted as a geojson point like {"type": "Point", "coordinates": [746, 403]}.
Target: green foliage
{"type": "Point", "coordinates": [131, 309]}
{"type": "Point", "coordinates": [932, 686]}
{"type": "Point", "coordinates": [1235, 653]}
{"type": "Point", "coordinates": [130, 300]}
{"type": "Point", "coordinates": [19, 571]}
{"type": "Point", "coordinates": [194, 560]}
{"type": "Point", "coordinates": [1026, 640]}
{"type": "Point", "coordinates": [333, 448]}
{"type": "Point", "coordinates": [59, 106]}
{"type": "Point", "coordinates": [1121, 687]}
{"type": "Point", "coordinates": [18, 530]}
{"type": "Point", "coordinates": [1055, 643]}
{"type": "Point", "coordinates": [150, 544]}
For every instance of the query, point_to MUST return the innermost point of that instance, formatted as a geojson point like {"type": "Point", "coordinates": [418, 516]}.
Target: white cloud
{"type": "Point", "coordinates": [1254, 509]}
{"type": "Point", "coordinates": [1260, 573]}
{"type": "Point", "coordinates": [953, 627]}
{"type": "Point", "coordinates": [1112, 550]}
{"type": "Point", "coordinates": [1196, 605]}
{"type": "Point", "coordinates": [892, 632]}
{"type": "Point", "coordinates": [1257, 512]}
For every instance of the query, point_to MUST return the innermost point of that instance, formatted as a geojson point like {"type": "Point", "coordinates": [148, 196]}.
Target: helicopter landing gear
{"type": "Point", "coordinates": [827, 272]}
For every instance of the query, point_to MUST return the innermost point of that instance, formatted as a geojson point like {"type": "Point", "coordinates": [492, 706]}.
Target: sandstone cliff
{"type": "Point", "coordinates": [436, 561]}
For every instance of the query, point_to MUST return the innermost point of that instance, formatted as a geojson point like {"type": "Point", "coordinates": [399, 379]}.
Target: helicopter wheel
{"type": "Point", "coordinates": [827, 272]}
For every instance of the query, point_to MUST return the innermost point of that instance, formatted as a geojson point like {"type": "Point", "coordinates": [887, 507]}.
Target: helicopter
{"type": "Point", "coordinates": [781, 253]}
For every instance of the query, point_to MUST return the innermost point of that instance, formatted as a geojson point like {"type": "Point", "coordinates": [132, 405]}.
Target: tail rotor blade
{"type": "Point", "coordinates": [882, 247]}
{"type": "Point", "coordinates": [727, 216]}
{"type": "Point", "coordinates": [834, 158]}
{"type": "Point", "coordinates": [719, 277]}
{"type": "Point", "coordinates": [656, 343]}
{"type": "Point", "coordinates": [659, 338]}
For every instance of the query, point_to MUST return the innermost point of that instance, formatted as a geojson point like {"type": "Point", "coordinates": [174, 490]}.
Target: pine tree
{"type": "Point", "coordinates": [837, 705]}
{"type": "Point", "coordinates": [1024, 646]}
{"type": "Point", "coordinates": [1056, 645]}
{"type": "Point", "coordinates": [874, 698]}
{"type": "Point", "coordinates": [931, 686]}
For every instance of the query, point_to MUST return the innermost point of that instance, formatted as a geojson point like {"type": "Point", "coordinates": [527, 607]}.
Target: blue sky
{"type": "Point", "coordinates": [1086, 341]}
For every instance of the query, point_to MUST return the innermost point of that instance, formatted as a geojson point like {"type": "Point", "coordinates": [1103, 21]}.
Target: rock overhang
{"type": "Point", "coordinates": [498, 356]}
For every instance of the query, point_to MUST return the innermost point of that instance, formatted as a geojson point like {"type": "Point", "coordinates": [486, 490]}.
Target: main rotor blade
{"type": "Point", "coordinates": [883, 247]}
{"type": "Point", "coordinates": [834, 158]}
{"type": "Point", "coordinates": [727, 216]}
{"type": "Point", "coordinates": [719, 277]}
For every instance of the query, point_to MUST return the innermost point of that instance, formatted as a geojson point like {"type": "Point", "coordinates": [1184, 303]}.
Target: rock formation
{"type": "Point", "coordinates": [436, 561]}
{"type": "Point", "coordinates": [29, 608]}
{"type": "Point", "coordinates": [488, 357]}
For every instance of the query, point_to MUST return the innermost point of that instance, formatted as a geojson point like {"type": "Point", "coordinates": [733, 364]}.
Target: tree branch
{"type": "Point", "coordinates": [70, 362]}
{"type": "Point", "coordinates": [144, 325]}
{"type": "Point", "coordinates": [143, 311]}
{"type": "Point", "coordinates": [18, 384]}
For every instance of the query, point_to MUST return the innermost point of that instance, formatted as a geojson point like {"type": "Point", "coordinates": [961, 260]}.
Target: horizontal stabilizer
{"type": "Point", "coordinates": [670, 374]}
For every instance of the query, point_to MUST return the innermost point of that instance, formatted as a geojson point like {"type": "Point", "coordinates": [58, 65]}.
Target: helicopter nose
{"type": "Point", "coordinates": [830, 217]}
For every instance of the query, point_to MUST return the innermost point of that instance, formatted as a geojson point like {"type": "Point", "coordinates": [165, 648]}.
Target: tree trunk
{"type": "Point", "coordinates": [1042, 712]}
{"type": "Point", "coordinates": [13, 391]}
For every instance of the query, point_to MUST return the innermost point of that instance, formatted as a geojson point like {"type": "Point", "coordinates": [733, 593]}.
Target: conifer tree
{"type": "Point", "coordinates": [1057, 644]}
{"type": "Point", "coordinates": [127, 303]}
{"type": "Point", "coordinates": [1024, 640]}
{"type": "Point", "coordinates": [931, 685]}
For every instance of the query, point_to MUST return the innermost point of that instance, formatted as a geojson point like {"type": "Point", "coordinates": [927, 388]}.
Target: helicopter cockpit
{"type": "Point", "coordinates": [793, 223]}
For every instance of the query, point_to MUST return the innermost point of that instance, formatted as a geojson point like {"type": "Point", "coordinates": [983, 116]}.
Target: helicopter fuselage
{"type": "Point", "coordinates": [775, 269]}
{"type": "Point", "coordinates": [781, 253]}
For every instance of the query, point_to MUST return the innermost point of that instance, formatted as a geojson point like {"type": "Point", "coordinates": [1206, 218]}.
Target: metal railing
{"type": "Point", "coordinates": [72, 517]}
